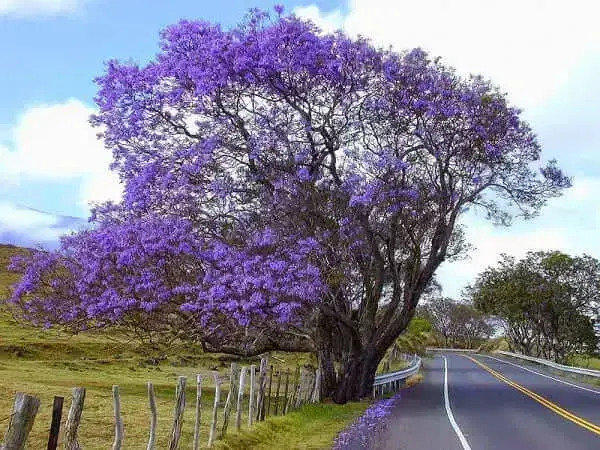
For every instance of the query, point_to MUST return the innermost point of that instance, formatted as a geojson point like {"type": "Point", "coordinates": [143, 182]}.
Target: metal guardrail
{"type": "Point", "coordinates": [553, 365]}
{"type": "Point", "coordinates": [440, 349]}
{"type": "Point", "coordinates": [400, 375]}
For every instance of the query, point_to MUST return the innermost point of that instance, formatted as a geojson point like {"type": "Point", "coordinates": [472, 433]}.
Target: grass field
{"type": "Point", "coordinates": [31, 362]}
{"type": "Point", "coordinates": [312, 427]}
{"type": "Point", "coordinates": [46, 363]}
{"type": "Point", "coordinates": [588, 362]}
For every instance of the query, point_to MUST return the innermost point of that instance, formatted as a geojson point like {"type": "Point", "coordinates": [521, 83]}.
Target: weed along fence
{"type": "Point", "coordinates": [247, 395]}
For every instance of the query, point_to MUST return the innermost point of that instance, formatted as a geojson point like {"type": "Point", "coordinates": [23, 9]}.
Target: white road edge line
{"type": "Point", "coordinates": [543, 375]}
{"type": "Point", "coordinates": [461, 436]}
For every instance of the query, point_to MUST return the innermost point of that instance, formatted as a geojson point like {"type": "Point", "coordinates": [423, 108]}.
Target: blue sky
{"type": "Point", "coordinates": [545, 54]}
{"type": "Point", "coordinates": [53, 49]}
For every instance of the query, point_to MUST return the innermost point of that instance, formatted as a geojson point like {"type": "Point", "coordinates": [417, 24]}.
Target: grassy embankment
{"type": "Point", "coordinates": [48, 363]}
{"type": "Point", "coordinates": [585, 361]}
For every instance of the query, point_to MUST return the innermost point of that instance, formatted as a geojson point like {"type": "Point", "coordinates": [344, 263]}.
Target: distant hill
{"type": "Point", "coordinates": [28, 227]}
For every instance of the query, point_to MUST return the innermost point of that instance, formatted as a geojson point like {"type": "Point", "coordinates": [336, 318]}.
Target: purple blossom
{"type": "Point", "coordinates": [372, 421]}
{"type": "Point", "coordinates": [303, 174]}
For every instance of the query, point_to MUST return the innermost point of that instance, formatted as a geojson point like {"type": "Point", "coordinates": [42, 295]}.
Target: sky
{"type": "Point", "coordinates": [544, 53]}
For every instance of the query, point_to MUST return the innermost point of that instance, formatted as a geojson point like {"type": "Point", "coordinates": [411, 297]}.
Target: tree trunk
{"type": "Point", "coordinates": [325, 355]}
{"type": "Point", "coordinates": [356, 380]}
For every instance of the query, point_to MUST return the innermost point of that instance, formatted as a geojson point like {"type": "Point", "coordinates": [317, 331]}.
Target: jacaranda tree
{"type": "Point", "coordinates": [286, 189]}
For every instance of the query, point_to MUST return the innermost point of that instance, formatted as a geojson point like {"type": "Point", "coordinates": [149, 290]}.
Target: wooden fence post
{"type": "Point", "coordinates": [196, 445]}
{"type": "Point", "coordinates": [213, 424]}
{"type": "Point", "coordinates": [300, 388]}
{"type": "Point", "coordinates": [284, 406]}
{"type": "Point", "coordinates": [316, 393]}
{"type": "Point", "coordinates": [21, 421]}
{"type": "Point", "coordinates": [234, 384]}
{"type": "Point", "coordinates": [277, 392]}
{"type": "Point", "coordinates": [240, 398]}
{"type": "Point", "coordinates": [310, 382]}
{"type": "Point", "coordinates": [118, 442]}
{"type": "Point", "coordinates": [251, 396]}
{"type": "Point", "coordinates": [295, 386]}
{"type": "Point", "coordinates": [73, 419]}
{"type": "Point", "coordinates": [178, 413]}
{"type": "Point", "coordinates": [153, 418]}
{"type": "Point", "coordinates": [57, 407]}
{"type": "Point", "coordinates": [307, 387]}
{"type": "Point", "coordinates": [268, 409]}
{"type": "Point", "coordinates": [262, 384]}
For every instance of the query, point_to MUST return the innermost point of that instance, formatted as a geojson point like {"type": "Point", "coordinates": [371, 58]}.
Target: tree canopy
{"type": "Point", "coordinates": [458, 324]}
{"type": "Point", "coordinates": [548, 301]}
{"type": "Point", "coordinates": [286, 189]}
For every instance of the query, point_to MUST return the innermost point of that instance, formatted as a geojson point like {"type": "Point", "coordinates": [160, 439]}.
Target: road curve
{"type": "Point", "coordinates": [492, 405]}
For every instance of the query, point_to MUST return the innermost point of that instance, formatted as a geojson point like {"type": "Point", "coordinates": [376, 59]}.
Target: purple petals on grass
{"type": "Point", "coordinates": [372, 421]}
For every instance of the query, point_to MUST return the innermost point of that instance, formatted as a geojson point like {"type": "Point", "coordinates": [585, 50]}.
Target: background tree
{"type": "Point", "coordinates": [468, 326]}
{"type": "Point", "coordinates": [458, 324]}
{"type": "Point", "coordinates": [438, 312]}
{"type": "Point", "coordinates": [282, 148]}
{"type": "Point", "coordinates": [548, 302]}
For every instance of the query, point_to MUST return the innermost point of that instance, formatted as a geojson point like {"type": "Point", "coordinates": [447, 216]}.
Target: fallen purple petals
{"type": "Point", "coordinates": [362, 429]}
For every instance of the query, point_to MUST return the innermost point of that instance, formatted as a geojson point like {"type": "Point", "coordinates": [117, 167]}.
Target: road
{"type": "Point", "coordinates": [492, 405]}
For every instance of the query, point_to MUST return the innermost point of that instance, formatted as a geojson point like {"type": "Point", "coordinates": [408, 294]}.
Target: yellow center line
{"type": "Point", "coordinates": [542, 400]}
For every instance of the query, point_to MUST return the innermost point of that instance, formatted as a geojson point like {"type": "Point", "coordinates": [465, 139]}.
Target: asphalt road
{"type": "Point", "coordinates": [492, 405]}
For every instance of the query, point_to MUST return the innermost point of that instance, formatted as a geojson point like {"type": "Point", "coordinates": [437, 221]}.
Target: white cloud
{"type": "Point", "coordinates": [489, 243]}
{"type": "Point", "coordinates": [24, 218]}
{"type": "Point", "coordinates": [31, 228]}
{"type": "Point", "coordinates": [526, 47]}
{"type": "Point", "coordinates": [544, 54]}
{"type": "Point", "coordinates": [57, 143]}
{"type": "Point", "coordinates": [569, 223]}
{"type": "Point", "coordinates": [327, 21]}
{"type": "Point", "coordinates": [38, 7]}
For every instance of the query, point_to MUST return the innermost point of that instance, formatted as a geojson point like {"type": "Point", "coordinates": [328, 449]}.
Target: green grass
{"type": "Point", "coordinates": [312, 427]}
{"type": "Point", "coordinates": [49, 363]}
{"type": "Point", "coordinates": [6, 278]}
{"type": "Point", "coordinates": [395, 365]}
{"type": "Point", "coordinates": [42, 370]}
{"type": "Point", "coordinates": [492, 345]}
{"type": "Point", "coordinates": [588, 362]}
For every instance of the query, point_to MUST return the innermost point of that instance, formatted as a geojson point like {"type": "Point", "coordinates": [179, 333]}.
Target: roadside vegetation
{"type": "Point", "coordinates": [548, 303]}
{"type": "Point", "coordinates": [313, 427]}
{"type": "Point", "coordinates": [587, 361]}
{"type": "Point", "coordinates": [455, 324]}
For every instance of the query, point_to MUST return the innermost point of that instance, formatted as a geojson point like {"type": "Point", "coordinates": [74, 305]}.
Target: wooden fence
{"type": "Point", "coordinates": [270, 392]}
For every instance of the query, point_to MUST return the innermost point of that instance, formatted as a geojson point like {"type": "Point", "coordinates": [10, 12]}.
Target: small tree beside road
{"type": "Point", "coordinates": [548, 302]}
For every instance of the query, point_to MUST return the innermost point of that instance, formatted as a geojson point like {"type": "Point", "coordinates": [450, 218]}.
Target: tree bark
{"type": "Point", "coordinates": [357, 381]}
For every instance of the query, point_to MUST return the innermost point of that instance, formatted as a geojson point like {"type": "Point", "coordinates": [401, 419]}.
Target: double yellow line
{"type": "Point", "coordinates": [538, 398]}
